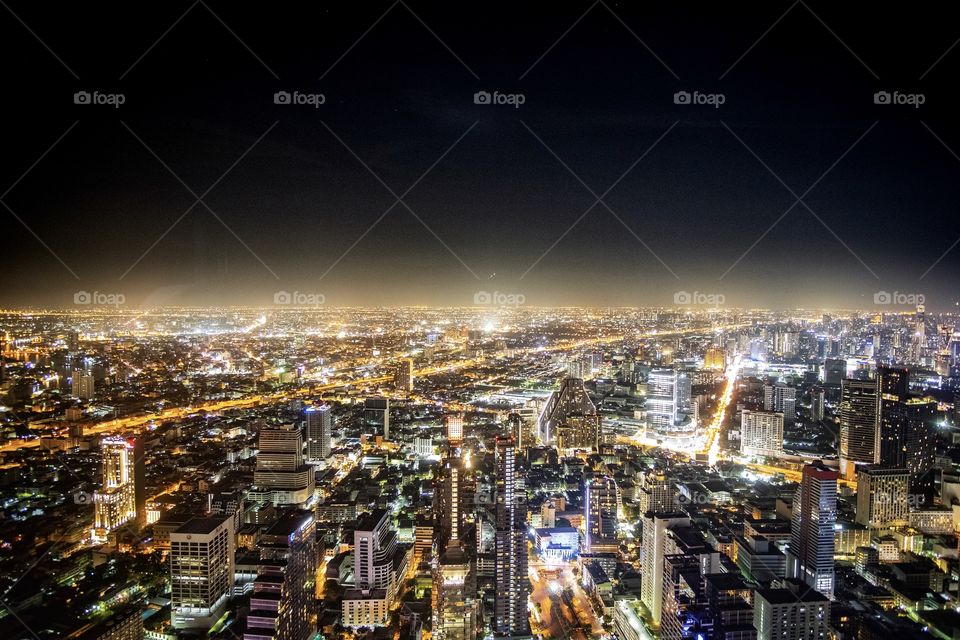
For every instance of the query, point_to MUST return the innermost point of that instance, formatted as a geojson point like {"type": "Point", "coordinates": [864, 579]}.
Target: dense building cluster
{"type": "Point", "coordinates": [464, 473]}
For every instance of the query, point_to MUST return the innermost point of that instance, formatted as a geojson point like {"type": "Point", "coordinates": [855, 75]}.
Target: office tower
{"type": "Point", "coordinates": [892, 389]}
{"type": "Point", "coordinates": [376, 416]}
{"type": "Point", "coordinates": [669, 403]}
{"type": "Point", "coordinates": [653, 542]}
{"type": "Point", "coordinates": [601, 504]}
{"type": "Point", "coordinates": [319, 433]}
{"type": "Point", "coordinates": [656, 493]}
{"type": "Point", "coordinates": [454, 428]}
{"type": "Point", "coordinates": [761, 433]}
{"type": "Point", "coordinates": [859, 422]}
{"type": "Point", "coordinates": [919, 443]}
{"type": "Point", "coordinates": [455, 603]}
{"type": "Point", "coordinates": [403, 376]}
{"type": "Point", "coordinates": [571, 403]}
{"type": "Point", "coordinates": [579, 432]}
{"type": "Point", "coordinates": [780, 397]}
{"type": "Point", "coordinates": [116, 502]}
{"type": "Point", "coordinates": [450, 503]}
{"type": "Point", "coordinates": [82, 383]}
{"type": "Point", "coordinates": [519, 429]}
{"type": "Point", "coordinates": [810, 554]}
{"type": "Point", "coordinates": [510, 568]}
{"type": "Point", "coordinates": [282, 474]}
{"type": "Point", "coordinates": [282, 605]}
{"type": "Point", "coordinates": [201, 572]}
{"type": "Point", "coordinates": [834, 371]}
{"type": "Point", "coordinates": [882, 497]}
{"type": "Point", "coordinates": [794, 613]}
{"type": "Point", "coordinates": [715, 358]}
{"type": "Point", "coordinates": [818, 399]}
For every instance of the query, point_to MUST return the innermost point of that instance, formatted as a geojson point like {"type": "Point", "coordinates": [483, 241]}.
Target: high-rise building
{"type": "Point", "coordinates": [282, 605]}
{"type": "Point", "coordinates": [570, 405]}
{"type": "Point", "coordinates": [454, 426]}
{"type": "Point", "coordinates": [82, 384]}
{"type": "Point", "coordinates": [510, 565]}
{"type": "Point", "coordinates": [115, 504]}
{"type": "Point", "coordinates": [669, 404]}
{"type": "Point", "coordinates": [786, 614]}
{"type": "Point", "coordinates": [653, 542]}
{"type": "Point", "coordinates": [455, 603]}
{"type": "Point", "coordinates": [656, 493]}
{"type": "Point", "coordinates": [319, 429]}
{"type": "Point", "coordinates": [600, 508]}
{"type": "Point", "coordinates": [403, 376]}
{"type": "Point", "coordinates": [374, 548]}
{"type": "Point", "coordinates": [892, 388]}
{"type": "Point", "coordinates": [450, 501]}
{"type": "Point", "coordinates": [834, 371]}
{"type": "Point", "coordinates": [859, 422]}
{"type": "Point", "coordinates": [201, 572]}
{"type": "Point", "coordinates": [818, 399]}
{"type": "Point", "coordinates": [281, 470]}
{"type": "Point", "coordinates": [376, 416]}
{"type": "Point", "coordinates": [761, 433]}
{"type": "Point", "coordinates": [780, 397]}
{"type": "Point", "coordinates": [715, 358]}
{"type": "Point", "coordinates": [810, 553]}
{"type": "Point", "coordinates": [882, 497]}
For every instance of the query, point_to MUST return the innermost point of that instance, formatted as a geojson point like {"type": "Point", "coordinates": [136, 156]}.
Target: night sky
{"type": "Point", "coordinates": [501, 184]}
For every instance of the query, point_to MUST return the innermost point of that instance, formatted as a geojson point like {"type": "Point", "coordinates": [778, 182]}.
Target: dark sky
{"type": "Point", "coordinates": [199, 92]}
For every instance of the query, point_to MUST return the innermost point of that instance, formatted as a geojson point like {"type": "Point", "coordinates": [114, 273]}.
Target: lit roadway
{"type": "Point", "coordinates": [121, 425]}
{"type": "Point", "coordinates": [556, 618]}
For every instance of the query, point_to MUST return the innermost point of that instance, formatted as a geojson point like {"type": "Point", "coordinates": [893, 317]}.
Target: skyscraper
{"type": "Point", "coordinates": [281, 470]}
{"type": "Point", "coordinates": [116, 502]}
{"type": "Point", "coordinates": [653, 541]}
{"type": "Point", "coordinates": [882, 497]}
{"type": "Point", "coordinates": [859, 423]}
{"type": "Point", "coordinates": [201, 572]}
{"type": "Point", "coordinates": [761, 433]}
{"type": "Point", "coordinates": [783, 614]}
{"type": "Point", "coordinates": [810, 554]}
{"type": "Point", "coordinates": [818, 399]}
{"type": "Point", "coordinates": [449, 501]}
{"type": "Point", "coordinates": [600, 515]}
{"type": "Point", "coordinates": [669, 405]}
{"type": "Point", "coordinates": [82, 384]}
{"type": "Point", "coordinates": [319, 433]}
{"type": "Point", "coordinates": [282, 605]}
{"type": "Point", "coordinates": [403, 376]}
{"type": "Point", "coordinates": [374, 547]}
{"type": "Point", "coordinates": [571, 403]}
{"type": "Point", "coordinates": [510, 566]}
{"type": "Point", "coordinates": [376, 416]}
{"type": "Point", "coordinates": [892, 389]}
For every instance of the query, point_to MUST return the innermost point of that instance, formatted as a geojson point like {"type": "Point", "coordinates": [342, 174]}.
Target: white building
{"type": "Point", "coordinates": [761, 433]}
{"type": "Point", "coordinates": [201, 572]}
